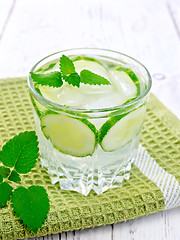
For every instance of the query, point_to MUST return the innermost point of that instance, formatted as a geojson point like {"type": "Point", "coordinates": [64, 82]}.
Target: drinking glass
{"type": "Point", "coordinates": [90, 148]}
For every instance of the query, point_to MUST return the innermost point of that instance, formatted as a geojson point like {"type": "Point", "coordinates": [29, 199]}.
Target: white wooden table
{"type": "Point", "coordinates": [147, 30]}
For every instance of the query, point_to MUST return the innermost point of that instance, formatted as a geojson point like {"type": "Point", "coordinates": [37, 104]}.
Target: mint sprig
{"type": "Point", "coordinates": [19, 156]}
{"type": "Point", "coordinates": [68, 74]}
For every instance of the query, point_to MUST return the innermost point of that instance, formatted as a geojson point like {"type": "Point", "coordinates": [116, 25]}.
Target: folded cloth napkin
{"type": "Point", "coordinates": [153, 185]}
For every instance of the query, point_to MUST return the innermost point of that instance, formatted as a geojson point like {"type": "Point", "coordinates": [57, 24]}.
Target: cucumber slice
{"type": "Point", "coordinates": [128, 81]}
{"type": "Point", "coordinates": [34, 103]}
{"type": "Point", "coordinates": [49, 66]}
{"type": "Point", "coordinates": [85, 58]}
{"type": "Point", "coordinates": [119, 130]}
{"type": "Point", "coordinates": [133, 77]}
{"type": "Point", "coordinates": [39, 108]}
{"type": "Point", "coordinates": [72, 136]}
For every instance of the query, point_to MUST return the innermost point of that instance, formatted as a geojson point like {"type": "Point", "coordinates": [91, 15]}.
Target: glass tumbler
{"type": "Point", "coordinates": [87, 148]}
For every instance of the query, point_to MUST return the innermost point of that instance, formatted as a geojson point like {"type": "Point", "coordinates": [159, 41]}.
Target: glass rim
{"type": "Point", "coordinates": [60, 107]}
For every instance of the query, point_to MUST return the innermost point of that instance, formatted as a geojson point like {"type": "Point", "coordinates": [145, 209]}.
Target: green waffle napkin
{"type": "Point", "coordinates": [153, 185]}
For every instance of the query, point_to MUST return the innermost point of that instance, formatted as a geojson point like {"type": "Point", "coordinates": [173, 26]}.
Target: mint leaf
{"type": "Point", "coordinates": [88, 77]}
{"type": "Point", "coordinates": [14, 176]}
{"type": "Point", "coordinates": [31, 205]}
{"type": "Point", "coordinates": [73, 79]}
{"type": "Point", "coordinates": [5, 193]}
{"type": "Point", "coordinates": [66, 66]}
{"type": "Point", "coordinates": [21, 152]}
{"type": "Point", "coordinates": [1, 178]}
{"type": "Point", "coordinates": [4, 172]}
{"type": "Point", "coordinates": [52, 79]}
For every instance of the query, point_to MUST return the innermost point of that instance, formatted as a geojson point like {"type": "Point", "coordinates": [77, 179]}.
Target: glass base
{"type": "Point", "coordinates": [86, 182]}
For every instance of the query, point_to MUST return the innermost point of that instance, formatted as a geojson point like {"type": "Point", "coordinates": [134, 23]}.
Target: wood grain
{"type": "Point", "coordinates": [146, 30]}
{"type": "Point", "coordinates": [6, 8]}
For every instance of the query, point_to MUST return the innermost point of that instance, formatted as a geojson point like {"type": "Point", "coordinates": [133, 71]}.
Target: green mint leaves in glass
{"type": "Point", "coordinates": [89, 107]}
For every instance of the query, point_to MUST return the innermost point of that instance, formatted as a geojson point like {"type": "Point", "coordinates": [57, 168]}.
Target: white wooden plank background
{"type": "Point", "coordinates": [146, 30]}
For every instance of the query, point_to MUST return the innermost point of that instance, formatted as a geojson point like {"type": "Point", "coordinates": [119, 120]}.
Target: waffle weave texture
{"type": "Point", "coordinates": [144, 193]}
